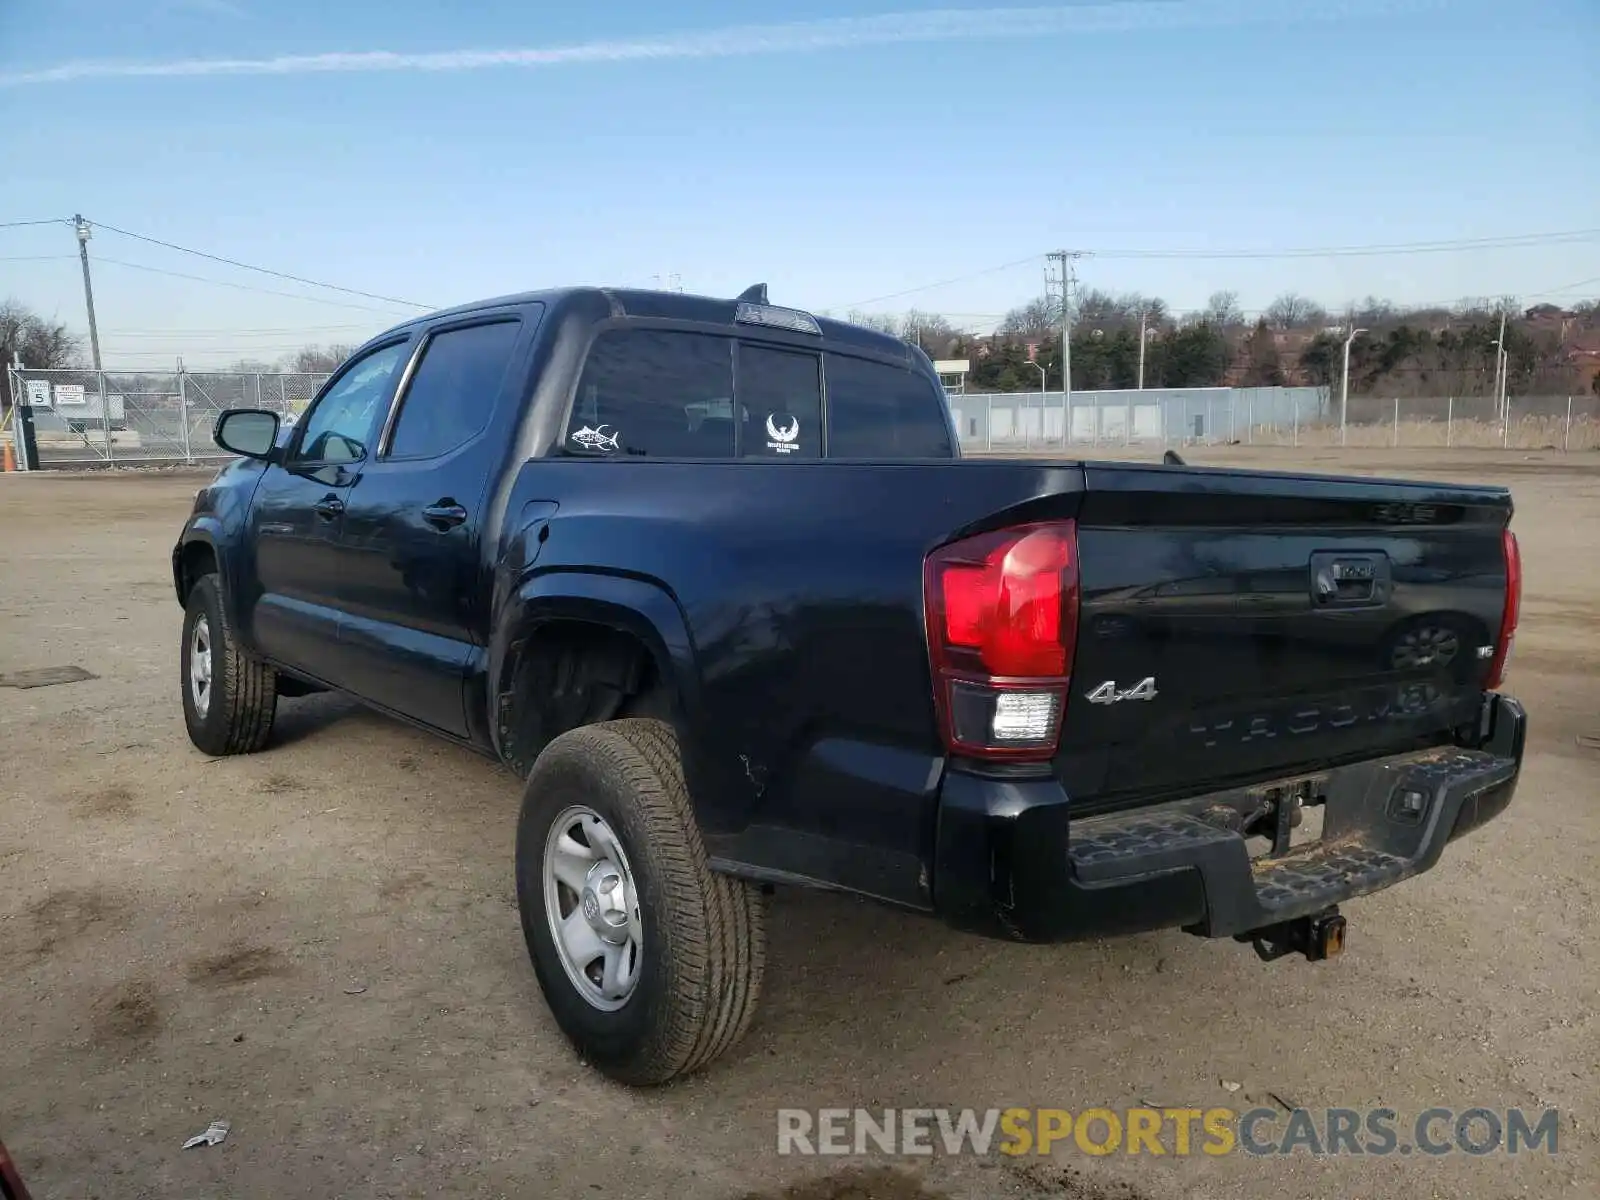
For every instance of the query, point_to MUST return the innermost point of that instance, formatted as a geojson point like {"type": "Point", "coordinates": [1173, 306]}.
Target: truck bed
{"type": "Point", "coordinates": [818, 753]}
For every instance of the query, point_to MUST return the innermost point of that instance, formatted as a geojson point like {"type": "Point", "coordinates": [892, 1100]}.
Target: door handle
{"type": "Point", "coordinates": [446, 514]}
{"type": "Point", "coordinates": [329, 507]}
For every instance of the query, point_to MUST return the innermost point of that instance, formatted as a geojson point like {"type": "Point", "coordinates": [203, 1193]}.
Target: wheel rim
{"type": "Point", "coordinates": [200, 666]}
{"type": "Point", "coordinates": [1430, 646]}
{"type": "Point", "coordinates": [592, 905]}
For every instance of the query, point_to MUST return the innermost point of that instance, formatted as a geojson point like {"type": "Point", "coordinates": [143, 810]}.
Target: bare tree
{"type": "Point", "coordinates": [1223, 310]}
{"type": "Point", "coordinates": [1152, 309]}
{"type": "Point", "coordinates": [1373, 313]}
{"type": "Point", "coordinates": [1293, 311]}
{"type": "Point", "coordinates": [39, 343]}
{"type": "Point", "coordinates": [317, 360]}
{"type": "Point", "coordinates": [929, 330]}
{"type": "Point", "coordinates": [882, 322]}
{"type": "Point", "coordinates": [1036, 319]}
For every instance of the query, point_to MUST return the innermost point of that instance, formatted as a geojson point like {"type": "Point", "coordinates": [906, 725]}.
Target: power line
{"type": "Point", "coordinates": [1507, 241]}
{"type": "Point", "coordinates": [217, 331]}
{"type": "Point", "coordinates": [1571, 287]}
{"type": "Point", "coordinates": [45, 221]}
{"type": "Point", "coordinates": [244, 287]}
{"type": "Point", "coordinates": [244, 336]}
{"type": "Point", "coordinates": [231, 262]}
{"type": "Point", "coordinates": [223, 351]}
{"type": "Point", "coordinates": [928, 287]}
{"type": "Point", "coordinates": [1510, 241]}
{"type": "Point", "coordinates": [35, 257]}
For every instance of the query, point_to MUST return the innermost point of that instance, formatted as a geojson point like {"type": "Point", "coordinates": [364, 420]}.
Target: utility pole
{"type": "Point", "coordinates": [84, 234]}
{"type": "Point", "coordinates": [1069, 278]}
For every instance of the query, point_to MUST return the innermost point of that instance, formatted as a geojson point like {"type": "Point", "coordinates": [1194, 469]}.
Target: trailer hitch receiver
{"type": "Point", "coordinates": [1319, 936]}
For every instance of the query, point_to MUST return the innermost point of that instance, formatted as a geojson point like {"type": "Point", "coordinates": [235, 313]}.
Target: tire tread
{"type": "Point", "coordinates": [716, 941]}
{"type": "Point", "coordinates": [249, 687]}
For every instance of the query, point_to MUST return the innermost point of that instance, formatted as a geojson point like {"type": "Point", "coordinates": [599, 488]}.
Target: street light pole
{"type": "Point", "coordinates": [1033, 362]}
{"type": "Point", "coordinates": [1499, 365]}
{"type": "Point", "coordinates": [1344, 391]}
{"type": "Point", "coordinates": [1504, 373]}
{"type": "Point", "coordinates": [1141, 349]}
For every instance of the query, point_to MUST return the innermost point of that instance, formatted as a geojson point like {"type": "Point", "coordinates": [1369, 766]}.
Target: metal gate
{"type": "Point", "coordinates": [141, 418]}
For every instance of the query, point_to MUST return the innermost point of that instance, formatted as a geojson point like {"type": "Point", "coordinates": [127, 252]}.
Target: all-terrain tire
{"type": "Point", "coordinates": [243, 690]}
{"type": "Point", "coordinates": [703, 943]}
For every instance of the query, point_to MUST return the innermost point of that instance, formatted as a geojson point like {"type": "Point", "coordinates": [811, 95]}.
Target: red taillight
{"type": "Point", "coordinates": [1002, 611]}
{"type": "Point", "coordinates": [1512, 612]}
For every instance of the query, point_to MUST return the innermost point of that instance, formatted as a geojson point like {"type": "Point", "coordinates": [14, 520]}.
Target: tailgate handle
{"type": "Point", "coordinates": [1341, 580]}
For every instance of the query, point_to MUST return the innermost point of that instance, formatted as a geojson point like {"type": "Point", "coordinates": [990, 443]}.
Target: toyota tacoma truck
{"type": "Point", "coordinates": [711, 578]}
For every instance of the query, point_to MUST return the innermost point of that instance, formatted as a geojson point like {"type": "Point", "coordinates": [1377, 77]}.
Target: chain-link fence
{"type": "Point", "coordinates": [1524, 423]}
{"type": "Point", "coordinates": [135, 418]}
{"type": "Point", "coordinates": [1269, 417]}
{"type": "Point", "coordinates": [142, 418]}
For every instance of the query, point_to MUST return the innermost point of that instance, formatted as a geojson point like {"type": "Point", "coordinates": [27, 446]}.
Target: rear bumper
{"type": "Point", "coordinates": [1011, 862]}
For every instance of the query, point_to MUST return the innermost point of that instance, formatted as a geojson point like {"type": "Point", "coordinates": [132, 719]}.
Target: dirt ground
{"type": "Point", "coordinates": [319, 944]}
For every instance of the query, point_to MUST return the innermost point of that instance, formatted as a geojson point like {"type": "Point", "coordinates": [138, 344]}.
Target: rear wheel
{"type": "Point", "coordinates": [229, 697]}
{"type": "Point", "coordinates": [650, 963]}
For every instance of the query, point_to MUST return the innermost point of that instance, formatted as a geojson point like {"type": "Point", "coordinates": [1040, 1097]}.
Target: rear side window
{"type": "Point", "coordinates": [452, 392]}
{"type": "Point", "coordinates": [655, 393]}
{"type": "Point", "coordinates": [780, 400]}
{"type": "Point", "coordinates": [876, 410]}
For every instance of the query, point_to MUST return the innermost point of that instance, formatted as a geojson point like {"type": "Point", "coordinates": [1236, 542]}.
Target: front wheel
{"type": "Point", "coordinates": [650, 963]}
{"type": "Point", "coordinates": [229, 697]}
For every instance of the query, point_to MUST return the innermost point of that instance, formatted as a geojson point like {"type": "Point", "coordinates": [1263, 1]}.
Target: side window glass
{"type": "Point", "coordinates": [339, 425]}
{"type": "Point", "coordinates": [654, 393]}
{"type": "Point", "coordinates": [780, 399]}
{"type": "Point", "coordinates": [453, 389]}
{"type": "Point", "coordinates": [880, 411]}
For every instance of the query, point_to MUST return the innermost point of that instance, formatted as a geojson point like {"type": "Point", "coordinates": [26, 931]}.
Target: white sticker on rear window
{"type": "Point", "coordinates": [597, 439]}
{"type": "Point", "coordinates": [783, 437]}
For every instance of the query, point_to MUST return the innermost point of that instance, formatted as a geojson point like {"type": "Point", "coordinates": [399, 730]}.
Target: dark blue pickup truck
{"type": "Point", "coordinates": [709, 576]}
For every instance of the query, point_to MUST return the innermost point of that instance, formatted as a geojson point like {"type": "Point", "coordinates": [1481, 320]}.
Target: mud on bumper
{"type": "Point", "coordinates": [1010, 861]}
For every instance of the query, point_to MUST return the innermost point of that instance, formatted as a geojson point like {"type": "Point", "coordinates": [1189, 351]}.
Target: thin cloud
{"type": "Point", "coordinates": [940, 25]}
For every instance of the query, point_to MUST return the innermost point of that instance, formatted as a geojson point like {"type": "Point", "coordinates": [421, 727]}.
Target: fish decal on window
{"type": "Point", "coordinates": [597, 439]}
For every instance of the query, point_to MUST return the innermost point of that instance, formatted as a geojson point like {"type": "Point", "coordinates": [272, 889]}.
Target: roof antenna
{"type": "Point", "coordinates": [754, 294]}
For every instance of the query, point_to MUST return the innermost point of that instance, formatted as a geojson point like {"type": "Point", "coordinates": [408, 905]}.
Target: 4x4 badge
{"type": "Point", "coordinates": [1109, 693]}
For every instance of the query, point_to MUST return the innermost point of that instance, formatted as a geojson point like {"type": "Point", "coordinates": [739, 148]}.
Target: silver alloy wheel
{"type": "Point", "coordinates": [1428, 646]}
{"type": "Point", "coordinates": [200, 666]}
{"type": "Point", "coordinates": [592, 905]}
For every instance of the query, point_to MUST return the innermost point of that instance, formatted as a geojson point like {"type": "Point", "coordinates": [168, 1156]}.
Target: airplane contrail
{"type": "Point", "coordinates": [937, 25]}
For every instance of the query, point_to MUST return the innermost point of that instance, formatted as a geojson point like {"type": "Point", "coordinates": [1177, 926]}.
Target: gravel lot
{"type": "Point", "coordinates": [320, 944]}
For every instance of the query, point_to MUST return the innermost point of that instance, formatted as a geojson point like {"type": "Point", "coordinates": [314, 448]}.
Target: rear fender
{"type": "Point", "coordinates": [638, 607]}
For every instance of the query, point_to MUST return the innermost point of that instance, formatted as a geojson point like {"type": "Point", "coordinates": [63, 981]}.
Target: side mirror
{"type": "Point", "coordinates": [252, 432]}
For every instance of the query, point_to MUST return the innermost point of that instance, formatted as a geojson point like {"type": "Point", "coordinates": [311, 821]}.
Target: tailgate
{"type": "Point", "coordinates": [1242, 626]}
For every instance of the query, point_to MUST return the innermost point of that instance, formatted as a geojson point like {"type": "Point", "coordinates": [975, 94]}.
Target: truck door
{"type": "Point", "coordinates": [412, 576]}
{"type": "Point", "coordinates": [297, 514]}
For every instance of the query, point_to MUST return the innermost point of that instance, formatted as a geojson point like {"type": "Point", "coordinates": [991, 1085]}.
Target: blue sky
{"type": "Point", "coordinates": [842, 152]}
